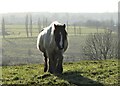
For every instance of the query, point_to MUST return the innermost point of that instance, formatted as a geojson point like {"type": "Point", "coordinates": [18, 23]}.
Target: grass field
{"type": "Point", "coordinates": [18, 49]}
{"type": "Point", "coordinates": [97, 73]}
{"type": "Point", "coordinates": [23, 50]}
{"type": "Point", "coordinates": [20, 31]}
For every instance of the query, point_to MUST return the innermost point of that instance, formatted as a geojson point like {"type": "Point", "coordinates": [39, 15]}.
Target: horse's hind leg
{"type": "Point", "coordinates": [45, 62]}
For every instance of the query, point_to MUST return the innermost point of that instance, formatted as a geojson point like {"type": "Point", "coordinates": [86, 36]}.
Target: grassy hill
{"type": "Point", "coordinates": [79, 73]}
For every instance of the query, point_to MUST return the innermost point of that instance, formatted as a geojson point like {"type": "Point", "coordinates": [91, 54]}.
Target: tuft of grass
{"type": "Point", "coordinates": [75, 73]}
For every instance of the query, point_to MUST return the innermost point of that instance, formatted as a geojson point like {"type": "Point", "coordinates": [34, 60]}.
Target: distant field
{"type": "Point", "coordinates": [23, 50]}
{"type": "Point", "coordinates": [97, 73]}
{"type": "Point", "coordinates": [20, 31]}
{"type": "Point", "coordinates": [18, 49]}
{"type": "Point", "coordinates": [84, 30]}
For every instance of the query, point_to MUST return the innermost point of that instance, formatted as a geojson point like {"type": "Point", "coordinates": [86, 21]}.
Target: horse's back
{"type": "Point", "coordinates": [40, 40]}
{"type": "Point", "coordinates": [43, 39]}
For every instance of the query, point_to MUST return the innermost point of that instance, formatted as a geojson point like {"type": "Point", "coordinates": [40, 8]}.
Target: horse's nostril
{"type": "Point", "coordinates": [61, 48]}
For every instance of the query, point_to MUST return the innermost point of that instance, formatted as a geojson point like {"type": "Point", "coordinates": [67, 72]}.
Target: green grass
{"type": "Point", "coordinates": [17, 44]}
{"type": "Point", "coordinates": [75, 73]}
{"type": "Point", "coordinates": [15, 49]}
{"type": "Point", "coordinates": [20, 51]}
{"type": "Point", "coordinates": [84, 30]}
{"type": "Point", "coordinates": [0, 74]}
{"type": "Point", "coordinates": [20, 31]}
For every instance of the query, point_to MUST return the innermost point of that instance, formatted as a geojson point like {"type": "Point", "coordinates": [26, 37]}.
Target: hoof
{"type": "Point", "coordinates": [59, 70]}
{"type": "Point", "coordinates": [45, 69]}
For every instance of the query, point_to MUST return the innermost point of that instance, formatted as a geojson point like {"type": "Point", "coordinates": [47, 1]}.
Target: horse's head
{"type": "Point", "coordinates": [60, 35]}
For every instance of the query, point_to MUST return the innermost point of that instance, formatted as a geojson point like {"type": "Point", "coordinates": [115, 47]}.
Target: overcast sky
{"type": "Point", "coordinates": [75, 6]}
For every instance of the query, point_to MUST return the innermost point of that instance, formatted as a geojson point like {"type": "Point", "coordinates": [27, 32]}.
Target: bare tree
{"type": "Point", "coordinates": [67, 25]}
{"type": "Point", "coordinates": [30, 25]}
{"type": "Point", "coordinates": [79, 30]}
{"type": "Point", "coordinates": [99, 46]}
{"type": "Point", "coordinates": [46, 22]}
{"type": "Point", "coordinates": [26, 25]}
{"type": "Point", "coordinates": [118, 41]}
{"type": "Point", "coordinates": [43, 23]}
{"type": "Point", "coordinates": [3, 27]}
{"type": "Point", "coordinates": [74, 29]}
{"type": "Point", "coordinates": [39, 25]}
{"type": "Point", "coordinates": [113, 52]}
{"type": "Point", "coordinates": [119, 30]}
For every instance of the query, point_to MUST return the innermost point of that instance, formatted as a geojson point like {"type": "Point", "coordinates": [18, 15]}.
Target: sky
{"type": "Point", "coordinates": [74, 6]}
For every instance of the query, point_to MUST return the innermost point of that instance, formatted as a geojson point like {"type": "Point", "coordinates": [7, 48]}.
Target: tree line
{"type": "Point", "coordinates": [28, 25]}
{"type": "Point", "coordinates": [43, 22]}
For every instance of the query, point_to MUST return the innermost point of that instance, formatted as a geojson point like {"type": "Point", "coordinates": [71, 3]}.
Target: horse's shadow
{"type": "Point", "coordinates": [77, 79]}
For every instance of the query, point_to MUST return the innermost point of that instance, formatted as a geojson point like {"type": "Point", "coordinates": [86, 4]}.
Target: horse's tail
{"type": "Point", "coordinates": [38, 42]}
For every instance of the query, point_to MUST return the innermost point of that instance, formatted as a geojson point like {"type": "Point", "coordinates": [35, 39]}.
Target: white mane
{"type": "Point", "coordinates": [56, 23]}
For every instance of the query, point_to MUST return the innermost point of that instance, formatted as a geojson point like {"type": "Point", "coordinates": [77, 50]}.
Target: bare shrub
{"type": "Point", "coordinates": [100, 46]}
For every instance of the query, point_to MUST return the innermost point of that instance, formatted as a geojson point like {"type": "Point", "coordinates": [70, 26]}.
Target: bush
{"type": "Point", "coordinates": [100, 46]}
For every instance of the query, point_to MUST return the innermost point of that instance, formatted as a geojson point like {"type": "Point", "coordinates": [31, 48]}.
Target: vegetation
{"type": "Point", "coordinates": [3, 28]}
{"type": "Point", "coordinates": [19, 47]}
{"type": "Point", "coordinates": [70, 18]}
{"type": "Point", "coordinates": [101, 46]}
{"type": "Point", "coordinates": [75, 74]}
{"type": "Point", "coordinates": [22, 50]}
{"type": "Point", "coordinates": [21, 30]}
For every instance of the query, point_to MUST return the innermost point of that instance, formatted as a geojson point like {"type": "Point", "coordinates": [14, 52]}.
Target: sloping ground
{"type": "Point", "coordinates": [83, 73]}
{"type": "Point", "coordinates": [16, 51]}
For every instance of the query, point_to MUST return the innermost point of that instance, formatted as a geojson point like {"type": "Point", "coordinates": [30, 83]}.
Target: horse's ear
{"type": "Point", "coordinates": [64, 25]}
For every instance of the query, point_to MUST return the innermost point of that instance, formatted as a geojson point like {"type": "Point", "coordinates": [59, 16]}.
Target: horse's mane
{"type": "Point", "coordinates": [54, 23]}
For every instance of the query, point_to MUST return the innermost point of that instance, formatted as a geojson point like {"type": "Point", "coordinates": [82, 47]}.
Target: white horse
{"type": "Point", "coordinates": [52, 41]}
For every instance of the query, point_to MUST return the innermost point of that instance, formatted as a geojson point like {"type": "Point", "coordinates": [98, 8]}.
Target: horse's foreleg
{"type": "Point", "coordinates": [51, 64]}
{"type": "Point", "coordinates": [59, 68]}
{"type": "Point", "coordinates": [45, 62]}
{"type": "Point", "coordinates": [55, 62]}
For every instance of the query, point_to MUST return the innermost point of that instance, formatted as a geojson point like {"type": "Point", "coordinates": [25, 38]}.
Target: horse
{"type": "Point", "coordinates": [52, 42]}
